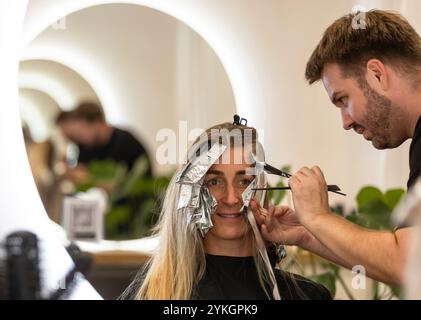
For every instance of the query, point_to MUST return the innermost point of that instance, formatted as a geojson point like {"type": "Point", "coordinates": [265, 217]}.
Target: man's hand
{"type": "Point", "coordinates": [309, 194]}
{"type": "Point", "coordinates": [280, 225]}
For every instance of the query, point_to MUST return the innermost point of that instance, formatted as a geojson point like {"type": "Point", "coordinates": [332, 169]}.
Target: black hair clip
{"type": "Point", "coordinates": [239, 121]}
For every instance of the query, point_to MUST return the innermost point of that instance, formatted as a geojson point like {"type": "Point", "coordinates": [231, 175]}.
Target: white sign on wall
{"type": "Point", "coordinates": [83, 219]}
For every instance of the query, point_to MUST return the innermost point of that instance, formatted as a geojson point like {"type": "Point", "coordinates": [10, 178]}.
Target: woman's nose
{"type": "Point", "coordinates": [231, 196]}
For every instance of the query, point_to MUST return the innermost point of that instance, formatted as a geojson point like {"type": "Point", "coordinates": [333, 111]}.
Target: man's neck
{"type": "Point", "coordinates": [105, 133]}
{"type": "Point", "coordinates": [412, 105]}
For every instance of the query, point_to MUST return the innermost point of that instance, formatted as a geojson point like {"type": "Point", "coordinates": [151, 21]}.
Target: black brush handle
{"type": "Point", "coordinates": [331, 188]}
{"type": "Point", "coordinates": [22, 267]}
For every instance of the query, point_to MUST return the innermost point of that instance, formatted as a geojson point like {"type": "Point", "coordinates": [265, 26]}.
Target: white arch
{"type": "Point", "coordinates": [37, 110]}
{"type": "Point", "coordinates": [46, 84]}
{"type": "Point", "coordinates": [191, 14]}
{"type": "Point", "coordinates": [59, 81]}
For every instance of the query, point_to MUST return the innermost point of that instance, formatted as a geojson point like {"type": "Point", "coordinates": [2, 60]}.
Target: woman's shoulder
{"type": "Point", "coordinates": [295, 287]}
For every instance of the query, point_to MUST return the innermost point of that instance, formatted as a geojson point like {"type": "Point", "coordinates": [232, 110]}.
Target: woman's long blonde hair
{"type": "Point", "coordinates": [179, 262]}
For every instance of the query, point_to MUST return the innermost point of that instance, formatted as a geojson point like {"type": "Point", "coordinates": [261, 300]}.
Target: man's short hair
{"type": "Point", "coordinates": [86, 111]}
{"type": "Point", "coordinates": [382, 35]}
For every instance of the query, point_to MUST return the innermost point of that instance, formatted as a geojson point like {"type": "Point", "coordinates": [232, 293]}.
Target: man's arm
{"type": "Point", "coordinates": [280, 225]}
{"type": "Point", "coordinates": [383, 254]}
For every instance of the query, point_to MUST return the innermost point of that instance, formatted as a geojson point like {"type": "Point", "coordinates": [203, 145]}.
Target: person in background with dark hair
{"type": "Point", "coordinates": [97, 140]}
{"type": "Point", "coordinates": [372, 74]}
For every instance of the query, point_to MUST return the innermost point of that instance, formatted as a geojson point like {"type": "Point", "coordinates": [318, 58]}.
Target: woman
{"type": "Point", "coordinates": [209, 244]}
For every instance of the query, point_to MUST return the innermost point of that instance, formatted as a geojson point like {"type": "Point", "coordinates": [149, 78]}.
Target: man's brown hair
{"type": "Point", "coordinates": [354, 39]}
{"type": "Point", "coordinates": [86, 111]}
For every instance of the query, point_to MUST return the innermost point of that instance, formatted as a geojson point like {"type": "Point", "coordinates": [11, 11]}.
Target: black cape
{"type": "Point", "coordinates": [235, 278]}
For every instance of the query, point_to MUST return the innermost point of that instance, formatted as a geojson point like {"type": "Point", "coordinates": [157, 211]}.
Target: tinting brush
{"type": "Point", "coordinates": [272, 170]}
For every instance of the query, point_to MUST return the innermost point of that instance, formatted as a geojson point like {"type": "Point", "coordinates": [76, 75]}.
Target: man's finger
{"type": "Point", "coordinates": [281, 210]}
{"type": "Point", "coordinates": [305, 171]}
{"type": "Point", "coordinates": [258, 212]}
{"type": "Point", "coordinates": [293, 182]}
{"type": "Point", "coordinates": [318, 171]}
{"type": "Point", "coordinates": [268, 236]}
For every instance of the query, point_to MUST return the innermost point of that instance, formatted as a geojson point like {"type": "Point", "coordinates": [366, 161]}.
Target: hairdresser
{"type": "Point", "coordinates": [373, 76]}
{"type": "Point", "coordinates": [97, 140]}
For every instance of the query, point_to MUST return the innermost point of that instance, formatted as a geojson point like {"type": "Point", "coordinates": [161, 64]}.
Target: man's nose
{"type": "Point", "coordinates": [347, 121]}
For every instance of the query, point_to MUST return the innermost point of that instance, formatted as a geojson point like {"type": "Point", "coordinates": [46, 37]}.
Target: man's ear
{"type": "Point", "coordinates": [377, 75]}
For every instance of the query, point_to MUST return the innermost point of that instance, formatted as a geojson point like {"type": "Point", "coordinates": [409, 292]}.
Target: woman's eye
{"type": "Point", "coordinates": [245, 182]}
{"type": "Point", "coordinates": [213, 182]}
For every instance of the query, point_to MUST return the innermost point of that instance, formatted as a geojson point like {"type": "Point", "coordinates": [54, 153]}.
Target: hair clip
{"type": "Point", "coordinates": [239, 121]}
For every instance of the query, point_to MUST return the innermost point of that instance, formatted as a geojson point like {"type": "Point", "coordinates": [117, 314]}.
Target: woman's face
{"type": "Point", "coordinates": [226, 182]}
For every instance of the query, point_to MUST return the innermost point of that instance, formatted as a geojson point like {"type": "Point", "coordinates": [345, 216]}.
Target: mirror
{"type": "Point", "coordinates": [146, 70]}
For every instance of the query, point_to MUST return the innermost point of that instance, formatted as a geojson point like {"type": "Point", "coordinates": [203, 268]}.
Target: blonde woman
{"type": "Point", "coordinates": [209, 243]}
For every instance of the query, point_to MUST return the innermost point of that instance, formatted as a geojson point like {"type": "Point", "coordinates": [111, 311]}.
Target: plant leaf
{"type": "Point", "coordinates": [368, 194]}
{"type": "Point", "coordinates": [393, 196]}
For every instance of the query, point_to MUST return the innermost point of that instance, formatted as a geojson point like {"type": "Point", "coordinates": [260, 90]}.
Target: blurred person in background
{"type": "Point", "coordinates": [87, 128]}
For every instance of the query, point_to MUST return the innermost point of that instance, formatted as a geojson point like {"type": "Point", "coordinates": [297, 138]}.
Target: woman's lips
{"type": "Point", "coordinates": [229, 215]}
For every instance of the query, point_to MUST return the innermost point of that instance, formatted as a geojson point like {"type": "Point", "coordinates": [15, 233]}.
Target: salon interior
{"type": "Point", "coordinates": [163, 71]}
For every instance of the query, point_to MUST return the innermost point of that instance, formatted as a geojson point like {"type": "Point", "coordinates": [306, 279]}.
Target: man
{"type": "Point", "coordinates": [97, 140]}
{"type": "Point", "coordinates": [373, 76]}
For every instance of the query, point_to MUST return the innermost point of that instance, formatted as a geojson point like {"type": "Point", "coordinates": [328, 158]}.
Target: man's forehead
{"type": "Point", "coordinates": [334, 80]}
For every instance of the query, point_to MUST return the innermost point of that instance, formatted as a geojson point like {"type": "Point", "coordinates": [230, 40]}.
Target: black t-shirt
{"type": "Point", "coordinates": [122, 147]}
{"type": "Point", "coordinates": [235, 278]}
{"type": "Point", "coordinates": [415, 156]}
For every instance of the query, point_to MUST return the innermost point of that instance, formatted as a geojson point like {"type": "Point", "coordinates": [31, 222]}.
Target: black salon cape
{"type": "Point", "coordinates": [235, 278]}
{"type": "Point", "coordinates": [415, 156]}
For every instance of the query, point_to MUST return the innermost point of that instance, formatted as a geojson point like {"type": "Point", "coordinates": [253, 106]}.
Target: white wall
{"type": "Point", "coordinates": [149, 70]}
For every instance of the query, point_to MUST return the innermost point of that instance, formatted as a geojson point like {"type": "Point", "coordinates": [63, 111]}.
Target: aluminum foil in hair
{"type": "Point", "coordinates": [248, 194]}
{"type": "Point", "coordinates": [260, 181]}
{"type": "Point", "coordinates": [195, 201]}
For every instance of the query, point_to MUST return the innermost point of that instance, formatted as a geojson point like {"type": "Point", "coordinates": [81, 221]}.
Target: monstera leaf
{"type": "Point", "coordinates": [375, 207]}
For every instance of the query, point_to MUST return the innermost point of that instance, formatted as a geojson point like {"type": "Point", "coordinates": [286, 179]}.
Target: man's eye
{"type": "Point", "coordinates": [343, 100]}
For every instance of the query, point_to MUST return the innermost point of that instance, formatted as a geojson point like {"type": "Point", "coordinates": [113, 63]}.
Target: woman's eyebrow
{"type": "Point", "coordinates": [220, 173]}
{"type": "Point", "coordinates": [217, 172]}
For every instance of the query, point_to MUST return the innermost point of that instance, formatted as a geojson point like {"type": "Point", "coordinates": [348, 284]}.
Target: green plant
{"type": "Point", "coordinates": [134, 197]}
{"type": "Point", "coordinates": [373, 211]}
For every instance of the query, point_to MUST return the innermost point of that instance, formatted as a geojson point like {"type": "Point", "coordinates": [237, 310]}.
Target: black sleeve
{"type": "Point", "coordinates": [415, 164]}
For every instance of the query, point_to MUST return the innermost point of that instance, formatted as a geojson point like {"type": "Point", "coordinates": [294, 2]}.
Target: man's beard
{"type": "Point", "coordinates": [378, 117]}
